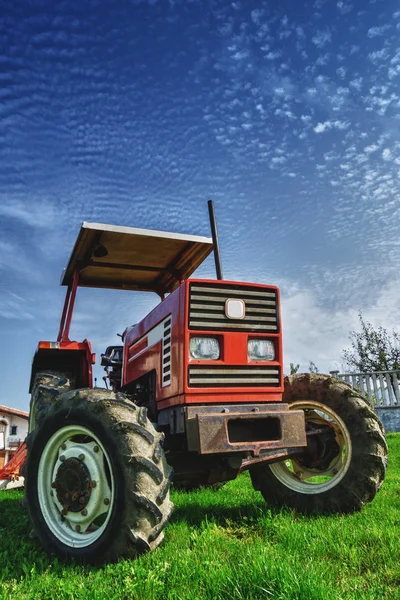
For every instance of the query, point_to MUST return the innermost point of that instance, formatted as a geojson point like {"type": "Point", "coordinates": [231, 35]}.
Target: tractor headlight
{"type": "Point", "coordinates": [204, 348]}
{"type": "Point", "coordinates": [261, 350]}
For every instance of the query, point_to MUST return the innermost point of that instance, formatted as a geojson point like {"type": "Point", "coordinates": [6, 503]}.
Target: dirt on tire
{"type": "Point", "coordinates": [47, 386]}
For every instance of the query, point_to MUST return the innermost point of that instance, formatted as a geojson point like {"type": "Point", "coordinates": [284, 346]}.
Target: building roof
{"type": "Point", "coordinates": [14, 411]}
{"type": "Point", "coordinates": [114, 257]}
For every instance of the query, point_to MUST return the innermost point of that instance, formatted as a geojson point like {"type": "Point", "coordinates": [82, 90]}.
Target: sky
{"type": "Point", "coordinates": [135, 112]}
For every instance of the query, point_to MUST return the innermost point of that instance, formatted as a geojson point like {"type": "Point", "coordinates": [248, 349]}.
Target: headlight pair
{"type": "Point", "coordinates": [208, 348]}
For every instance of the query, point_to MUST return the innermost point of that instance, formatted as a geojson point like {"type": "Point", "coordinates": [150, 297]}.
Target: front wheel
{"type": "Point", "coordinates": [344, 463]}
{"type": "Point", "coordinates": [97, 482]}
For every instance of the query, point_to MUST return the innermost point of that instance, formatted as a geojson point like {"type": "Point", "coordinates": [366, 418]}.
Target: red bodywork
{"type": "Point", "coordinates": [143, 352]}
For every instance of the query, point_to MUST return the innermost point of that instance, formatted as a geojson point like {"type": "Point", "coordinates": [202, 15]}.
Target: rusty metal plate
{"type": "Point", "coordinates": [210, 432]}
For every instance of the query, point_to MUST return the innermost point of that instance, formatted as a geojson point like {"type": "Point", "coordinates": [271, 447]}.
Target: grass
{"type": "Point", "coordinates": [226, 544]}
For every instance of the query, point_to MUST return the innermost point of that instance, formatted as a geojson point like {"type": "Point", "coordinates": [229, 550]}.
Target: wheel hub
{"type": "Point", "coordinates": [322, 447]}
{"type": "Point", "coordinates": [72, 484]}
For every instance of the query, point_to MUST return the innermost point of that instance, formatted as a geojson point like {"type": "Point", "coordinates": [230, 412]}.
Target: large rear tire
{"type": "Point", "coordinates": [345, 461]}
{"type": "Point", "coordinates": [96, 478]}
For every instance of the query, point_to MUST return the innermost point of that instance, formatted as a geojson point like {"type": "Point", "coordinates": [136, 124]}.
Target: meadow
{"type": "Point", "coordinates": [226, 544]}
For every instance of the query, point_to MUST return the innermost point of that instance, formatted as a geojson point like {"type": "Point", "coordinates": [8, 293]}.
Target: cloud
{"type": "Point", "coordinates": [386, 154]}
{"type": "Point", "coordinates": [16, 260]}
{"type": "Point", "coordinates": [321, 38]}
{"type": "Point", "coordinates": [344, 7]}
{"type": "Point", "coordinates": [41, 214]}
{"type": "Point", "coordinates": [377, 31]}
{"type": "Point", "coordinates": [13, 306]}
{"type": "Point", "coordinates": [328, 125]}
{"type": "Point", "coordinates": [313, 332]}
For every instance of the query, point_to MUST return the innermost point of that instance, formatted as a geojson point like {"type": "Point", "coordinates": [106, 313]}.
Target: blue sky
{"type": "Point", "coordinates": [136, 112]}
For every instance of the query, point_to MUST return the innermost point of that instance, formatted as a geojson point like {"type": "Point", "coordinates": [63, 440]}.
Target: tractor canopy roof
{"type": "Point", "coordinates": [108, 256]}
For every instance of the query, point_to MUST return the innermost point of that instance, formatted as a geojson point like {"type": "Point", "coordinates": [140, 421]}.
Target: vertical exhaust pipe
{"type": "Point", "coordinates": [214, 234]}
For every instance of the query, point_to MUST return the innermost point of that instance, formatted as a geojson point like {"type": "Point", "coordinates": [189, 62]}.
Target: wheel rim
{"type": "Point", "coordinates": [76, 488]}
{"type": "Point", "coordinates": [299, 477]}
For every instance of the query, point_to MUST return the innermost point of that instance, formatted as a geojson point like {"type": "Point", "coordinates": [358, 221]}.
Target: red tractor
{"type": "Point", "coordinates": [197, 389]}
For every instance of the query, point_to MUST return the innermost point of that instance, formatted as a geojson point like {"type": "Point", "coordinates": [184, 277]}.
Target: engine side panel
{"type": "Point", "coordinates": [156, 344]}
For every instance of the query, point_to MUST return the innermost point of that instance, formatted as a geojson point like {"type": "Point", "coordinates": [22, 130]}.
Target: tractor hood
{"type": "Point", "coordinates": [108, 256]}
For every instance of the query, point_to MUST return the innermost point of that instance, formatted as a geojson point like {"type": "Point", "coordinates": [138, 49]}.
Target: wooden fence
{"type": "Point", "coordinates": [382, 388]}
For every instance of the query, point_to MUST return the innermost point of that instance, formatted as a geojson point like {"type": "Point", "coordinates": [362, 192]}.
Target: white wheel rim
{"type": "Point", "coordinates": [305, 481]}
{"type": "Point", "coordinates": [76, 529]}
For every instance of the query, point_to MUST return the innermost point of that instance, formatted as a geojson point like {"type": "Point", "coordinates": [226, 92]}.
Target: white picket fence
{"type": "Point", "coordinates": [382, 388]}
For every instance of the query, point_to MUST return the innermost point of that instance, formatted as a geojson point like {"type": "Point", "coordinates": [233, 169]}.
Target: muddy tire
{"type": "Point", "coordinates": [346, 457]}
{"type": "Point", "coordinates": [96, 478]}
{"type": "Point", "coordinates": [47, 385]}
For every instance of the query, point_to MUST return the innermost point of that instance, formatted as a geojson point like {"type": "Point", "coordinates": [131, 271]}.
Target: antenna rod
{"type": "Point", "coordinates": [214, 234]}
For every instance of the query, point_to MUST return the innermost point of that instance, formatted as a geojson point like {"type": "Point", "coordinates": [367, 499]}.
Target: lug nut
{"type": "Point", "coordinates": [81, 457]}
{"type": "Point", "coordinates": [84, 512]}
{"type": "Point", "coordinates": [53, 485]}
{"type": "Point", "coordinates": [78, 528]}
{"type": "Point", "coordinates": [62, 457]}
{"type": "Point", "coordinates": [106, 501]}
{"type": "Point", "coordinates": [64, 447]}
{"type": "Point", "coordinates": [93, 484]}
{"type": "Point", "coordinates": [64, 512]}
{"type": "Point", "coordinates": [95, 448]}
{"type": "Point", "coordinates": [81, 500]}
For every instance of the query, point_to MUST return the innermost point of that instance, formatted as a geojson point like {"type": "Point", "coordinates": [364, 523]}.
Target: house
{"type": "Point", "coordinates": [13, 431]}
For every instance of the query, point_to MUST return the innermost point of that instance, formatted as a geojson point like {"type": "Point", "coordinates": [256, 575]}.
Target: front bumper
{"type": "Point", "coordinates": [244, 428]}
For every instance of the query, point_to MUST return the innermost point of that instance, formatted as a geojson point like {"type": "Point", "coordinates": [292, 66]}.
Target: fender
{"type": "Point", "coordinates": [74, 358]}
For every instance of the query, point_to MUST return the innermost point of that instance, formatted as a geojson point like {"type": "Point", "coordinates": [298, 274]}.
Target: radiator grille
{"type": "Point", "coordinates": [207, 308]}
{"type": "Point", "coordinates": [233, 376]}
{"type": "Point", "coordinates": [166, 367]}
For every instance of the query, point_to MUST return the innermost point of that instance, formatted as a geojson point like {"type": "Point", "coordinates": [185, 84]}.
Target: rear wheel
{"type": "Point", "coordinates": [97, 482]}
{"type": "Point", "coordinates": [345, 461]}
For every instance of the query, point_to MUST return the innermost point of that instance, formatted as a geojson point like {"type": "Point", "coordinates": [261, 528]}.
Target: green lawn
{"type": "Point", "coordinates": [226, 544]}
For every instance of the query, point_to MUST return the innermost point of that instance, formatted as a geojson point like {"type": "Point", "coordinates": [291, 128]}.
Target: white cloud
{"type": "Point", "coordinates": [356, 83]}
{"type": "Point", "coordinates": [371, 148]}
{"type": "Point", "coordinates": [256, 15]}
{"type": "Point", "coordinates": [13, 306]}
{"type": "Point", "coordinates": [313, 332]}
{"type": "Point", "coordinates": [273, 55]}
{"type": "Point", "coordinates": [327, 125]}
{"type": "Point", "coordinates": [386, 154]}
{"type": "Point", "coordinates": [378, 55]}
{"type": "Point", "coordinates": [321, 38]}
{"type": "Point", "coordinates": [344, 7]}
{"type": "Point", "coordinates": [377, 31]}
{"type": "Point", "coordinates": [39, 215]}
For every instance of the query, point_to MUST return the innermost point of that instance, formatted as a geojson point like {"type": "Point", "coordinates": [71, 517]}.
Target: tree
{"type": "Point", "coordinates": [294, 368]}
{"type": "Point", "coordinates": [312, 367]}
{"type": "Point", "coordinates": [372, 349]}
